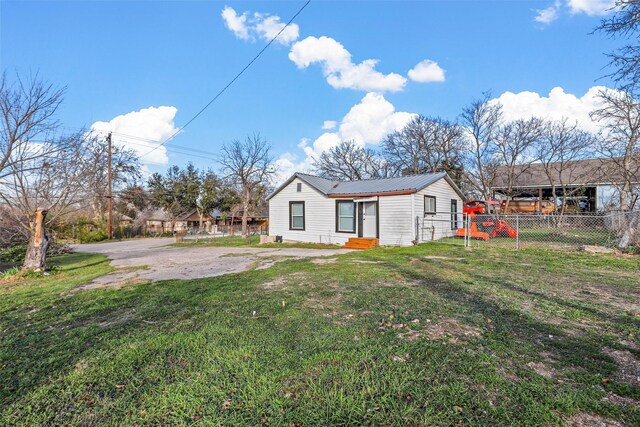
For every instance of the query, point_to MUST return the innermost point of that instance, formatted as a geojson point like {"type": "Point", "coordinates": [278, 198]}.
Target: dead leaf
{"type": "Point", "coordinates": [226, 404]}
{"type": "Point", "coordinates": [119, 385]}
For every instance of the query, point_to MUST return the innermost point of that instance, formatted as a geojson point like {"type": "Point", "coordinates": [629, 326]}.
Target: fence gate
{"type": "Point", "coordinates": [442, 227]}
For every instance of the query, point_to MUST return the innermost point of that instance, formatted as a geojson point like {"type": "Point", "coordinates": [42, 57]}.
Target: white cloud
{"type": "Point", "coordinates": [548, 15]}
{"type": "Point", "coordinates": [329, 124]}
{"type": "Point", "coordinates": [269, 26]}
{"type": "Point", "coordinates": [426, 71]}
{"type": "Point", "coordinates": [236, 23]}
{"type": "Point", "coordinates": [155, 123]}
{"type": "Point", "coordinates": [591, 7]}
{"type": "Point", "coordinates": [366, 123]}
{"type": "Point", "coordinates": [339, 70]}
{"type": "Point", "coordinates": [556, 106]}
{"type": "Point", "coordinates": [264, 26]}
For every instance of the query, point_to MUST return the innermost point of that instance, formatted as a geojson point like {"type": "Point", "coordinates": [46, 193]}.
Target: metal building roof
{"type": "Point", "coordinates": [386, 185]}
{"type": "Point", "coordinates": [369, 187]}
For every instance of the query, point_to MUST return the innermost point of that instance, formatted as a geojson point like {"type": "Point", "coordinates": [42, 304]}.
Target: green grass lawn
{"type": "Point", "coordinates": [239, 241]}
{"type": "Point", "coordinates": [427, 335]}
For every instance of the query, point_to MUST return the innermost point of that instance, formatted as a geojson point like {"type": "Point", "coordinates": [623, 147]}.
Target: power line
{"type": "Point", "coordinates": [232, 80]}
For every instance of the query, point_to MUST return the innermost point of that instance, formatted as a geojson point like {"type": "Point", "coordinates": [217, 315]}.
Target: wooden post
{"type": "Point", "coordinates": [38, 244]}
{"type": "Point", "coordinates": [539, 200]}
{"type": "Point", "coordinates": [110, 192]}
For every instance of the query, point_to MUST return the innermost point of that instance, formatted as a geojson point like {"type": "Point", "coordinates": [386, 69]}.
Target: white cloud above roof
{"type": "Point", "coordinates": [557, 105]}
{"type": "Point", "coordinates": [591, 7]}
{"type": "Point", "coordinates": [237, 24]}
{"type": "Point", "coordinates": [366, 123]}
{"type": "Point", "coordinates": [329, 124]}
{"type": "Point", "coordinates": [339, 69]}
{"type": "Point", "coordinates": [549, 14]}
{"type": "Point", "coordinates": [259, 25]}
{"type": "Point", "coordinates": [130, 130]}
{"type": "Point", "coordinates": [426, 71]}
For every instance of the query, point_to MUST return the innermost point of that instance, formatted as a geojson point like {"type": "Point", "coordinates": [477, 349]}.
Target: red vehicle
{"type": "Point", "coordinates": [488, 225]}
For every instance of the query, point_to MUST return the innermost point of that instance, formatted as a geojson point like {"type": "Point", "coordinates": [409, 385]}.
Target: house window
{"type": "Point", "coordinates": [299, 187]}
{"type": "Point", "coordinates": [429, 205]}
{"type": "Point", "coordinates": [345, 216]}
{"type": "Point", "coordinates": [454, 214]}
{"type": "Point", "coordinates": [296, 215]}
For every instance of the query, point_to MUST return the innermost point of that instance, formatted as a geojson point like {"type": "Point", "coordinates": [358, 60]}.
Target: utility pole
{"type": "Point", "coordinates": [110, 196]}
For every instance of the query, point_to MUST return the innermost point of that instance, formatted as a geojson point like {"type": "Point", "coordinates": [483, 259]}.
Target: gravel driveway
{"type": "Point", "coordinates": [164, 262]}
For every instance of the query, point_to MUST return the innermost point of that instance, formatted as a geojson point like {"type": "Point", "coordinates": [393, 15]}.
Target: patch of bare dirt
{"type": "Point", "coordinates": [280, 282]}
{"type": "Point", "coordinates": [442, 257]}
{"type": "Point", "coordinates": [450, 328]}
{"type": "Point", "coordinates": [591, 420]}
{"type": "Point", "coordinates": [628, 366]}
{"type": "Point", "coordinates": [542, 369]}
{"type": "Point", "coordinates": [324, 260]}
{"type": "Point", "coordinates": [360, 261]}
{"type": "Point", "coordinates": [393, 284]}
{"type": "Point", "coordinates": [621, 400]}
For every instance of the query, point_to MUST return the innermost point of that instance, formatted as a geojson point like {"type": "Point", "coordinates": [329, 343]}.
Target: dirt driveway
{"type": "Point", "coordinates": [151, 259]}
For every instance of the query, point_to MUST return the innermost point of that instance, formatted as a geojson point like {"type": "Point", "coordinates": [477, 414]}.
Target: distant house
{"type": "Point", "coordinates": [592, 184]}
{"type": "Point", "coordinates": [309, 208]}
{"type": "Point", "coordinates": [156, 222]}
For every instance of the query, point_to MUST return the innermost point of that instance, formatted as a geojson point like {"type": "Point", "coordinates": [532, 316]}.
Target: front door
{"type": "Point", "coordinates": [369, 222]}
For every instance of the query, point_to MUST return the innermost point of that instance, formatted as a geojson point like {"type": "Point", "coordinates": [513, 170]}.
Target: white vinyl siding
{"type": "Point", "coordinates": [396, 214]}
{"type": "Point", "coordinates": [320, 213]}
{"type": "Point", "coordinates": [444, 194]}
{"type": "Point", "coordinates": [396, 223]}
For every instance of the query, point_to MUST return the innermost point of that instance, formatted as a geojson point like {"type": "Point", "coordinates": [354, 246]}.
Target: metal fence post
{"type": "Point", "coordinates": [517, 231]}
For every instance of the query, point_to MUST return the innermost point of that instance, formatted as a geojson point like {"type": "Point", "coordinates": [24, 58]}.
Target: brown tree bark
{"type": "Point", "coordinates": [38, 244]}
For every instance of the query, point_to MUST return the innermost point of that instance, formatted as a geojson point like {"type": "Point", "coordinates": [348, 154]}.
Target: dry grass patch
{"type": "Point", "coordinates": [450, 328]}
{"type": "Point", "coordinates": [591, 420]}
{"type": "Point", "coordinates": [628, 371]}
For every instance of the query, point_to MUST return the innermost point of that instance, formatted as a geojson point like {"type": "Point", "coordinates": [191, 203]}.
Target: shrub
{"type": "Point", "coordinates": [13, 253]}
{"type": "Point", "coordinates": [92, 236]}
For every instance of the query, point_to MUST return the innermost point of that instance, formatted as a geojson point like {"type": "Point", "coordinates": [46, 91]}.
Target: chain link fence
{"type": "Point", "coordinates": [610, 230]}
{"type": "Point", "coordinates": [441, 227]}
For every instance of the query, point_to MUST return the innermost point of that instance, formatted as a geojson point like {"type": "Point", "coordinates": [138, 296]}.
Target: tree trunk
{"type": "Point", "coordinates": [38, 244]}
{"type": "Point", "coordinates": [245, 211]}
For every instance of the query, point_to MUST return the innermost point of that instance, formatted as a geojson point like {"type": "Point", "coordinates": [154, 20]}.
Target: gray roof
{"type": "Point", "coordinates": [321, 184]}
{"type": "Point", "coordinates": [369, 186]}
{"type": "Point", "coordinates": [584, 172]}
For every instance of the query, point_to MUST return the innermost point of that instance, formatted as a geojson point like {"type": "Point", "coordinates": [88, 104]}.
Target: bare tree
{"type": "Point", "coordinates": [624, 24]}
{"type": "Point", "coordinates": [27, 110]}
{"type": "Point", "coordinates": [40, 175]}
{"type": "Point", "coordinates": [619, 117]}
{"type": "Point", "coordinates": [41, 190]}
{"type": "Point", "coordinates": [349, 161]}
{"type": "Point", "coordinates": [249, 164]}
{"type": "Point", "coordinates": [125, 171]}
{"type": "Point", "coordinates": [559, 147]}
{"type": "Point", "coordinates": [481, 121]}
{"type": "Point", "coordinates": [514, 141]}
{"type": "Point", "coordinates": [425, 145]}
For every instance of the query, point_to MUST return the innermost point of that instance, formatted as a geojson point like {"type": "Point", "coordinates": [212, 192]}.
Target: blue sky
{"type": "Point", "coordinates": [124, 57]}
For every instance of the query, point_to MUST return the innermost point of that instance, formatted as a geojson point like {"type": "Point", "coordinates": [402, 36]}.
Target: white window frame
{"type": "Point", "coordinates": [428, 212]}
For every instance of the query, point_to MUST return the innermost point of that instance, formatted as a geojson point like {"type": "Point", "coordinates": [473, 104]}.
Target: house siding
{"type": "Point", "coordinates": [439, 225]}
{"type": "Point", "coordinates": [396, 227]}
{"type": "Point", "coordinates": [396, 214]}
{"type": "Point", "coordinates": [319, 212]}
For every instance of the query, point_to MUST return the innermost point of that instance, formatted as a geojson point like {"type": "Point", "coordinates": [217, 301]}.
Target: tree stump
{"type": "Point", "coordinates": [38, 243]}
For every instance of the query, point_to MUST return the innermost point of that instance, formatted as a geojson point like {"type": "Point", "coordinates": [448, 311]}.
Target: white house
{"type": "Point", "coordinates": [396, 211]}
